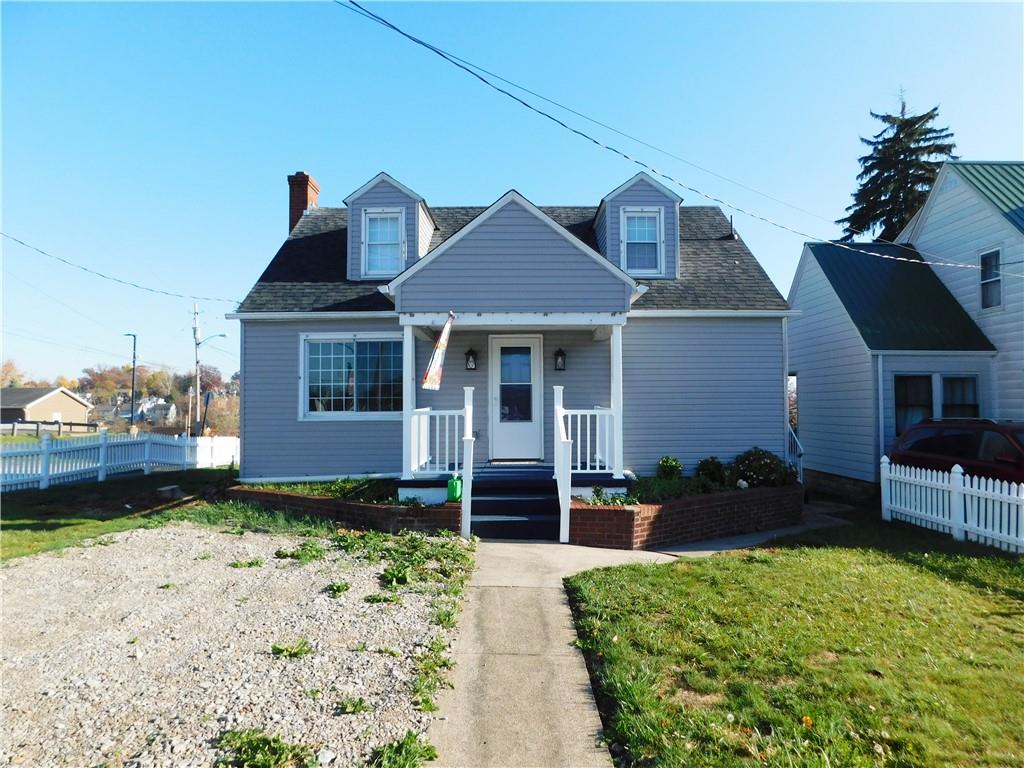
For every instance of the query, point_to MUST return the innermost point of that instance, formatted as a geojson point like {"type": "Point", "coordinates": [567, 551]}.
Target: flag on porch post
{"type": "Point", "coordinates": [432, 376]}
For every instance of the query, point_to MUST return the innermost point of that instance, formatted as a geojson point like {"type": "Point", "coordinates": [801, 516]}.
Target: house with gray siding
{"type": "Point", "coordinates": [929, 327]}
{"type": "Point", "coordinates": [620, 332]}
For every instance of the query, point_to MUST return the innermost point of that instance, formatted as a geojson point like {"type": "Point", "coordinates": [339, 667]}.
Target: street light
{"type": "Point", "coordinates": [199, 342]}
{"type": "Point", "coordinates": [134, 340]}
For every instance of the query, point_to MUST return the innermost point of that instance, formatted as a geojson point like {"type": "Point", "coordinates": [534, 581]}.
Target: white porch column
{"type": "Point", "coordinates": [616, 399]}
{"type": "Point", "coordinates": [408, 398]}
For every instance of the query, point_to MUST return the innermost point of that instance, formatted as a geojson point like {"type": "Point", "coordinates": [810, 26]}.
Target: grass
{"type": "Point", "coordinates": [865, 645]}
{"type": "Point", "coordinates": [298, 649]}
{"type": "Point", "coordinates": [337, 588]}
{"type": "Point", "coordinates": [431, 673]}
{"type": "Point", "coordinates": [254, 563]}
{"type": "Point", "coordinates": [255, 749]}
{"type": "Point", "coordinates": [381, 491]}
{"type": "Point", "coordinates": [383, 597]}
{"type": "Point", "coordinates": [307, 552]}
{"type": "Point", "coordinates": [407, 752]}
{"type": "Point", "coordinates": [352, 706]}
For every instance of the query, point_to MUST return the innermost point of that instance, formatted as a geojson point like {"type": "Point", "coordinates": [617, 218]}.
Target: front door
{"type": "Point", "coordinates": [517, 410]}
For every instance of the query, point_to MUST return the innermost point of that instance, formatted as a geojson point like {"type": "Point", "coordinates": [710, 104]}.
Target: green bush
{"type": "Point", "coordinates": [760, 468]}
{"type": "Point", "coordinates": [669, 468]}
{"type": "Point", "coordinates": [713, 471]}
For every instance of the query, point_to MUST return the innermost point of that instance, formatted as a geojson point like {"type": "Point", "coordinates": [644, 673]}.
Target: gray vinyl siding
{"type": "Point", "coordinates": [380, 195]}
{"type": "Point", "coordinates": [698, 387]}
{"type": "Point", "coordinates": [586, 379]}
{"type": "Point", "coordinates": [645, 194]}
{"type": "Point", "coordinates": [959, 225]}
{"type": "Point", "coordinates": [424, 234]}
{"type": "Point", "coordinates": [835, 387]}
{"type": "Point", "coordinates": [515, 263]}
{"type": "Point", "coordinates": [601, 230]}
{"type": "Point", "coordinates": [942, 365]}
{"type": "Point", "coordinates": [275, 443]}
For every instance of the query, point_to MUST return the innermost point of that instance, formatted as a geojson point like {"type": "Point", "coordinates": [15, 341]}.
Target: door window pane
{"type": "Point", "coordinates": [913, 400]}
{"type": "Point", "coordinates": [515, 365]}
{"type": "Point", "coordinates": [960, 397]}
{"type": "Point", "coordinates": [516, 402]}
{"type": "Point", "coordinates": [516, 388]}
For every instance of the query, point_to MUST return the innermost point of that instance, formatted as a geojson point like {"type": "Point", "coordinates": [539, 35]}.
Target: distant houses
{"type": "Point", "coordinates": [43, 404]}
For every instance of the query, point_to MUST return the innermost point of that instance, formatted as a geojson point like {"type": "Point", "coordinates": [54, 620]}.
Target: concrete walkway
{"type": "Point", "coordinates": [522, 696]}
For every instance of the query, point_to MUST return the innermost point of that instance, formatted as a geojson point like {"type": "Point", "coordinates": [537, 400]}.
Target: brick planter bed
{"type": "Point", "coordinates": [355, 514]}
{"type": "Point", "coordinates": [690, 518]}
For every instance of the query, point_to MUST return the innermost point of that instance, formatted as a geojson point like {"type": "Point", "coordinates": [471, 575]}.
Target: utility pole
{"type": "Point", "coordinates": [199, 342]}
{"type": "Point", "coordinates": [134, 340]}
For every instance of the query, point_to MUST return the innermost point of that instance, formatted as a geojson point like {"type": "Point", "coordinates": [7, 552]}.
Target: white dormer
{"type": "Point", "coordinates": [389, 228]}
{"type": "Point", "coordinates": [637, 227]}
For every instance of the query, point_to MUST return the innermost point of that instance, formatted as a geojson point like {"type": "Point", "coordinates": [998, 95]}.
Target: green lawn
{"type": "Point", "coordinates": [376, 491]}
{"type": "Point", "coordinates": [64, 515]}
{"type": "Point", "coordinates": [864, 645]}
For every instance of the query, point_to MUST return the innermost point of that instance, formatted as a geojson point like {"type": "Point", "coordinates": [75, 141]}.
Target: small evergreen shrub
{"type": "Point", "coordinates": [713, 471]}
{"type": "Point", "coordinates": [669, 468]}
{"type": "Point", "coordinates": [760, 468]}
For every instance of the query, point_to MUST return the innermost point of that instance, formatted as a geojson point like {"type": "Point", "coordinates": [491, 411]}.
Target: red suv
{"type": "Point", "coordinates": [980, 447]}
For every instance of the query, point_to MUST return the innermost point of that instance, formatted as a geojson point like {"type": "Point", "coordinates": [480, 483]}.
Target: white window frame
{"type": "Point", "coordinates": [659, 212]}
{"type": "Point", "coordinates": [998, 250]}
{"type": "Point", "coordinates": [340, 338]}
{"type": "Point", "coordinates": [371, 213]}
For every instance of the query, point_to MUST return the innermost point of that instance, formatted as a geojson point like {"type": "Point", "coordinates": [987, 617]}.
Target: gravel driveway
{"type": "Point", "coordinates": [142, 651]}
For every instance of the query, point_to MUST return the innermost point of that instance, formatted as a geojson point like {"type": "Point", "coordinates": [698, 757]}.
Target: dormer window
{"type": "Point", "coordinates": [383, 241]}
{"type": "Point", "coordinates": [642, 241]}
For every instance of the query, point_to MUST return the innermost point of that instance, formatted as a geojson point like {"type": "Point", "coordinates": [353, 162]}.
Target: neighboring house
{"type": "Point", "coordinates": [42, 404]}
{"type": "Point", "coordinates": [161, 413]}
{"type": "Point", "coordinates": [654, 317]}
{"type": "Point", "coordinates": [936, 342]}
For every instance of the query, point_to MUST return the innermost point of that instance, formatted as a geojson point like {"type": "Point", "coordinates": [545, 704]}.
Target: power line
{"type": "Point", "coordinates": [469, 70]}
{"type": "Point", "coordinates": [128, 283]}
{"type": "Point", "coordinates": [51, 297]}
{"type": "Point", "coordinates": [57, 343]}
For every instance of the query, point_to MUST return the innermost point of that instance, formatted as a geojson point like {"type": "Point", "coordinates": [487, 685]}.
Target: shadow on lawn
{"type": "Point", "coordinates": [984, 568]}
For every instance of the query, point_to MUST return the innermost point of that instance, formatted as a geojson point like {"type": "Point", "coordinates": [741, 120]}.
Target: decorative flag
{"type": "Point", "coordinates": [432, 376]}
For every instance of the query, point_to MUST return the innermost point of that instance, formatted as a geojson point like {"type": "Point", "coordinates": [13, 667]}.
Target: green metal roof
{"type": "Point", "coordinates": [897, 304]}
{"type": "Point", "coordinates": [1001, 183]}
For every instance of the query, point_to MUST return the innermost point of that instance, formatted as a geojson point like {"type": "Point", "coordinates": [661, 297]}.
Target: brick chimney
{"type": "Point", "coordinates": [302, 195]}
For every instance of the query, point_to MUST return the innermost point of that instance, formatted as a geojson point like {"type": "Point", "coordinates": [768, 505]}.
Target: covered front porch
{"type": "Point", "coordinates": [525, 399]}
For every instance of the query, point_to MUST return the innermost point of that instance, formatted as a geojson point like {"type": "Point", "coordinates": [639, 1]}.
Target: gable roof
{"type": "Point", "coordinates": [644, 176]}
{"type": "Point", "coordinates": [999, 182]}
{"type": "Point", "coordinates": [25, 397]}
{"type": "Point", "coordinates": [382, 176]}
{"type": "Point", "coordinates": [897, 305]}
{"type": "Point", "coordinates": [510, 197]}
{"type": "Point", "coordinates": [716, 269]}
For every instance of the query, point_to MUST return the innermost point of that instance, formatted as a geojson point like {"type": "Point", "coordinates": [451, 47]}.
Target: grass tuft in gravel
{"type": "Point", "coordinates": [255, 749]}
{"type": "Point", "coordinates": [168, 585]}
{"type": "Point", "coordinates": [254, 563]}
{"type": "Point", "coordinates": [352, 706]}
{"type": "Point", "coordinates": [298, 649]}
{"type": "Point", "coordinates": [407, 752]}
{"type": "Point", "coordinates": [307, 552]}
{"type": "Point", "coordinates": [383, 597]}
{"type": "Point", "coordinates": [337, 588]}
{"type": "Point", "coordinates": [431, 668]}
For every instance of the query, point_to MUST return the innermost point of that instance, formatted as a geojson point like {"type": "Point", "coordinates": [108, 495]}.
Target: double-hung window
{"type": "Point", "coordinates": [383, 241]}
{"type": "Point", "coordinates": [642, 241]}
{"type": "Point", "coordinates": [960, 397]}
{"type": "Point", "coordinates": [913, 400]}
{"type": "Point", "coordinates": [991, 280]}
{"type": "Point", "coordinates": [355, 376]}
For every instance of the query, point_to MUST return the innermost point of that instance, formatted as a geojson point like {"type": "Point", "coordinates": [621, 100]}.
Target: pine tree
{"type": "Point", "coordinates": [895, 177]}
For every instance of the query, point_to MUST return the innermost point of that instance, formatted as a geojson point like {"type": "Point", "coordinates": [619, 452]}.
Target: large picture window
{"type": "Point", "coordinates": [913, 397]}
{"type": "Point", "coordinates": [383, 242]}
{"type": "Point", "coordinates": [352, 376]}
{"type": "Point", "coordinates": [960, 397]}
{"type": "Point", "coordinates": [641, 240]}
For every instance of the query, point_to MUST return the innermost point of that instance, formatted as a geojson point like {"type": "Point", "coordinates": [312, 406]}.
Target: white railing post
{"type": "Point", "coordinates": [956, 502]}
{"type": "Point", "coordinates": [884, 477]}
{"type": "Point", "coordinates": [103, 457]}
{"type": "Point", "coordinates": [44, 462]}
{"type": "Point", "coordinates": [465, 527]}
{"type": "Point", "coordinates": [616, 401]}
{"type": "Point", "coordinates": [146, 447]}
{"type": "Point", "coordinates": [408, 400]}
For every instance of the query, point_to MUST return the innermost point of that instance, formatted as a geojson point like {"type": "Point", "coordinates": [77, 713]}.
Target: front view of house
{"type": "Point", "coordinates": [647, 325]}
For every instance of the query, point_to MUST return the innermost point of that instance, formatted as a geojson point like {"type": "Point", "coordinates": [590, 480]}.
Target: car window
{"type": "Point", "coordinates": [994, 444]}
{"type": "Point", "coordinates": [957, 443]}
{"type": "Point", "coordinates": [920, 439]}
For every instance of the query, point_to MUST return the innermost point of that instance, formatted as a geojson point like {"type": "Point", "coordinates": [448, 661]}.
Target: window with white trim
{"type": "Point", "coordinates": [383, 241]}
{"type": "Point", "coordinates": [343, 376]}
{"type": "Point", "coordinates": [991, 280]}
{"type": "Point", "coordinates": [642, 241]}
{"type": "Point", "coordinates": [960, 397]}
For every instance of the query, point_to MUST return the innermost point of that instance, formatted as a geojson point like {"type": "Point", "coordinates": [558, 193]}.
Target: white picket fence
{"type": "Point", "coordinates": [977, 509]}
{"type": "Point", "coordinates": [95, 457]}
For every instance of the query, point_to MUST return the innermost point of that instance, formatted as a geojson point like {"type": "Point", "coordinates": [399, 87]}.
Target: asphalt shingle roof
{"type": "Point", "coordinates": [19, 397]}
{"type": "Point", "coordinates": [897, 305]}
{"type": "Point", "coordinates": [717, 270]}
{"type": "Point", "coordinates": [1001, 183]}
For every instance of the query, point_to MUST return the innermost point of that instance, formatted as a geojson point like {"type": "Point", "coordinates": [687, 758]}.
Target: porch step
{"type": "Point", "coordinates": [515, 502]}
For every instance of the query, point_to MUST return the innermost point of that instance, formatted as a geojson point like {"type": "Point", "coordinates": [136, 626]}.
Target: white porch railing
{"type": "Point", "coordinates": [437, 440]}
{"type": "Point", "coordinates": [562, 447]}
{"type": "Point", "coordinates": [467, 462]}
{"type": "Point", "coordinates": [979, 509]}
{"type": "Point", "coordinates": [795, 452]}
{"type": "Point", "coordinates": [94, 457]}
{"type": "Point", "coordinates": [592, 432]}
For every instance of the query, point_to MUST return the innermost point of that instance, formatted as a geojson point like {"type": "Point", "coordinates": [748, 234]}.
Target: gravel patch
{"type": "Point", "coordinates": [142, 651]}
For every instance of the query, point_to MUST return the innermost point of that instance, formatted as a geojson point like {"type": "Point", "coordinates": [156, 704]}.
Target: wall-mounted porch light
{"type": "Point", "coordinates": [560, 360]}
{"type": "Point", "coordinates": [470, 359]}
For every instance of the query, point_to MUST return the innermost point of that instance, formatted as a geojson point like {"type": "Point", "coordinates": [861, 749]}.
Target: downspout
{"type": "Point", "coordinates": [785, 390]}
{"type": "Point", "coordinates": [881, 410]}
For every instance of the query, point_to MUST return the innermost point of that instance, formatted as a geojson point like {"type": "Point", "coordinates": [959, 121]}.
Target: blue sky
{"type": "Point", "coordinates": [152, 141]}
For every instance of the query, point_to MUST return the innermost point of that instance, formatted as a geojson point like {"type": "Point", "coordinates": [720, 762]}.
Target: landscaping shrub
{"type": "Point", "coordinates": [713, 471]}
{"type": "Point", "coordinates": [669, 468]}
{"type": "Point", "coordinates": [761, 468]}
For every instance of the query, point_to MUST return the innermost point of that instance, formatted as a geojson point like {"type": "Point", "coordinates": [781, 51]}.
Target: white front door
{"type": "Point", "coordinates": [516, 389]}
